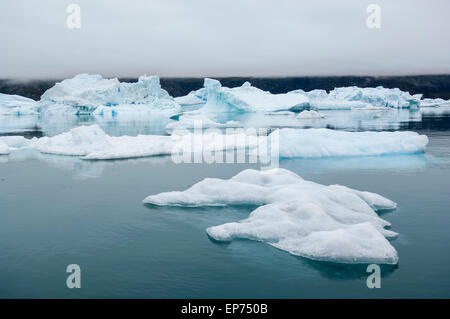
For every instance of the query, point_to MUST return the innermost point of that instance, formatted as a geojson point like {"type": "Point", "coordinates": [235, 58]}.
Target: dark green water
{"type": "Point", "coordinates": [56, 211]}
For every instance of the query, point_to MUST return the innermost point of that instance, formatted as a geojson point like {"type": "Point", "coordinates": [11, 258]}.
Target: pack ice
{"type": "Point", "coordinates": [92, 94]}
{"type": "Point", "coordinates": [328, 223]}
{"type": "Point", "coordinates": [248, 98]}
{"type": "Point", "coordinates": [356, 97]}
{"type": "Point", "coordinates": [17, 105]}
{"type": "Point", "coordinates": [312, 143]}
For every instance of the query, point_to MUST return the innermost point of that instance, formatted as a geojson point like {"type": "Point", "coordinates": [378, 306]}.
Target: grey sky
{"type": "Point", "coordinates": [223, 38]}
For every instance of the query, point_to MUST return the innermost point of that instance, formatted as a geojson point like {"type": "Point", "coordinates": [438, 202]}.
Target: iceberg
{"type": "Point", "coordinates": [248, 98]}
{"type": "Point", "coordinates": [328, 223]}
{"type": "Point", "coordinates": [356, 97]}
{"type": "Point", "coordinates": [314, 143]}
{"type": "Point", "coordinates": [434, 103]}
{"type": "Point", "coordinates": [88, 94]}
{"type": "Point", "coordinates": [193, 98]}
{"type": "Point", "coordinates": [17, 105]}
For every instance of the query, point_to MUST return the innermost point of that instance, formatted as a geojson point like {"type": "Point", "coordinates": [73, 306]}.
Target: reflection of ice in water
{"type": "Point", "coordinates": [81, 169]}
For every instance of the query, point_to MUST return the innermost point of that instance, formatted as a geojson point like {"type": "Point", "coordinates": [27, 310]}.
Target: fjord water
{"type": "Point", "coordinates": [56, 211]}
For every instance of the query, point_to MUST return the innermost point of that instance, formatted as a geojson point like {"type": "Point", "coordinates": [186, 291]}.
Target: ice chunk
{"type": "Point", "coordinates": [187, 121]}
{"type": "Point", "coordinates": [308, 143]}
{"type": "Point", "coordinates": [434, 103]}
{"type": "Point", "coordinates": [247, 98]}
{"type": "Point", "coordinates": [4, 149]}
{"type": "Point", "coordinates": [84, 93]}
{"type": "Point", "coordinates": [310, 115]}
{"type": "Point", "coordinates": [332, 223]}
{"type": "Point", "coordinates": [17, 105]}
{"type": "Point", "coordinates": [356, 97]}
{"type": "Point", "coordinates": [193, 98]}
{"type": "Point", "coordinates": [91, 143]}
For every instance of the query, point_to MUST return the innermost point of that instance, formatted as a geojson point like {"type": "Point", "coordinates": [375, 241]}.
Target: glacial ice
{"type": "Point", "coordinates": [327, 223]}
{"type": "Point", "coordinates": [17, 105]}
{"type": "Point", "coordinates": [91, 143]}
{"type": "Point", "coordinates": [84, 94]}
{"type": "Point", "coordinates": [434, 103]}
{"type": "Point", "coordinates": [248, 98]}
{"type": "Point", "coordinates": [193, 98]}
{"type": "Point", "coordinates": [356, 97]}
{"type": "Point", "coordinates": [313, 143]}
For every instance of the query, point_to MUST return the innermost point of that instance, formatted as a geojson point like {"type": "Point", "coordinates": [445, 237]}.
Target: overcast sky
{"type": "Point", "coordinates": [223, 38]}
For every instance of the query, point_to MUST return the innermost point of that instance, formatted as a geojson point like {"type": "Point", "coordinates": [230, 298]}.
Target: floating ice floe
{"type": "Point", "coordinates": [247, 98]}
{"type": "Point", "coordinates": [328, 223]}
{"type": "Point", "coordinates": [356, 97]}
{"type": "Point", "coordinates": [91, 143]}
{"type": "Point", "coordinates": [92, 94]}
{"type": "Point", "coordinates": [17, 105]}
{"type": "Point", "coordinates": [187, 121]}
{"type": "Point", "coordinates": [4, 149]}
{"type": "Point", "coordinates": [310, 143]}
{"type": "Point", "coordinates": [310, 115]}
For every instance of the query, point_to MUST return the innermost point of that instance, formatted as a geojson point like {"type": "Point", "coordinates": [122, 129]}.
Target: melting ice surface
{"type": "Point", "coordinates": [17, 105]}
{"type": "Point", "coordinates": [329, 223]}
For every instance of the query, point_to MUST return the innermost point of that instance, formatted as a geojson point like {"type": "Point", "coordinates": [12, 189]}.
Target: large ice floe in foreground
{"type": "Point", "coordinates": [314, 143]}
{"type": "Point", "coordinates": [247, 98]}
{"type": "Point", "coordinates": [17, 105]}
{"type": "Point", "coordinates": [356, 97]}
{"type": "Point", "coordinates": [92, 94]}
{"type": "Point", "coordinates": [328, 223]}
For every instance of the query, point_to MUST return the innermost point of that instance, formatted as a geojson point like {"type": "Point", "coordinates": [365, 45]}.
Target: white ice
{"type": "Point", "coordinates": [329, 223]}
{"type": "Point", "coordinates": [17, 105]}
{"type": "Point", "coordinates": [310, 115]}
{"type": "Point", "coordinates": [314, 143]}
{"type": "Point", "coordinates": [193, 98]}
{"type": "Point", "coordinates": [86, 94]}
{"type": "Point", "coordinates": [356, 97]}
{"type": "Point", "coordinates": [247, 98]}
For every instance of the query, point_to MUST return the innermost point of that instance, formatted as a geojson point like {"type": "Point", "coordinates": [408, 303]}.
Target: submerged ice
{"type": "Point", "coordinates": [328, 223]}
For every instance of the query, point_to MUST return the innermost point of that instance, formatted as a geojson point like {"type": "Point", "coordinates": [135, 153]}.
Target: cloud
{"type": "Point", "coordinates": [223, 38]}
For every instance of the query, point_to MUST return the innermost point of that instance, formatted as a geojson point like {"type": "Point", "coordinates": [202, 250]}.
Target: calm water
{"type": "Point", "coordinates": [56, 211]}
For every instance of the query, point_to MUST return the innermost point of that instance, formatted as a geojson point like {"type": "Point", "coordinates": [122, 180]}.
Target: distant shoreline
{"type": "Point", "coordinates": [431, 86]}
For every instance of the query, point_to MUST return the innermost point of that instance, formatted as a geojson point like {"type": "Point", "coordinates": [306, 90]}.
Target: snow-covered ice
{"type": "Point", "coordinates": [434, 103]}
{"type": "Point", "coordinates": [17, 105]}
{"type": "Point", "coordinates": [329, 223]}
{"type": "Point", "coordinates": [84, 94]}
{"type": "Point", "coordinates": [188, 121]}
{"type": "Point", "coordinates": [248, 98]}
{"type": "Point", "coordinates": [310, 143]}
{"type": "Point", "coordinates": [4, 149]}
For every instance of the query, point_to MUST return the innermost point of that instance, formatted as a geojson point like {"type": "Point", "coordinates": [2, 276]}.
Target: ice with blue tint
{"type": "Point", "coordinates": [92, 94]}
{"type": "Point", "coordinates": [193, 98]}
{"type": "Point", "coordinates": [356, 97]}
{"type": "Point", "coordinates": [248, 98]}
{"type": "Point", "coordinates": [17, 105]}
{"type": "Point", "coordinates": [434, 103]}
{"type": "Point", "coordinates": [315, 143]}
{"type": "Point", "coordinates": [329, 223]}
